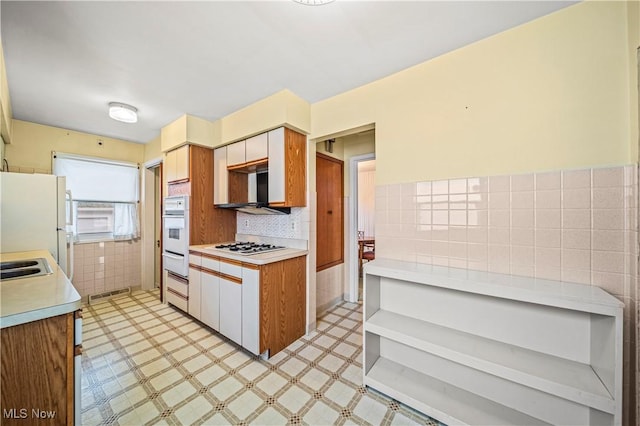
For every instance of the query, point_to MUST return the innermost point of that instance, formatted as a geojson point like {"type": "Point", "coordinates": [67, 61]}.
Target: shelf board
{"type": "Point", "coordinates": [560, 294]}
{"type": "Point", "coordinates": [567, 379]}
{"type": "Point", "coordinates": [442, 401]}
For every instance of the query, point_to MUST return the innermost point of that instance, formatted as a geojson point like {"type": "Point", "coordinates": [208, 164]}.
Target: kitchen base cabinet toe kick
{"type": "Point", "coordinates": [260, 307]}
{"type": "Point", "coordinates": [469, 347]}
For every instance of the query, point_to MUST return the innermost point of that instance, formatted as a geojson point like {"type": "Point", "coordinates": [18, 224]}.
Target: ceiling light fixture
{"type": "Point", "coordinates": [313, 2]}
{"type": "Point", "coordinates": [123, 112]}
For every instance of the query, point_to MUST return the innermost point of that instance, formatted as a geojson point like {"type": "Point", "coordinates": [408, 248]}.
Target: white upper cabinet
{"type": "Point", "coordinates": [287, 168]}
{"type": "Point", "coordinates": [244, 153]}
{"type": "Point", "coordinates": [236, 153]}
{"type": "Point", "coordinates": [281, 151]}
{"type": "Point", "coordinates": [276, 165]}
{"type": "Point", "coordinates": [257, 148]}
{"type": "Point", "coordinates": [177, 164]}
{"type": "Point", "coordinates": [221, 176]}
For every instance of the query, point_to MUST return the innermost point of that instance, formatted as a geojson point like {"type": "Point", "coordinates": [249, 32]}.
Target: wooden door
{"type": "Point", "coordinates": [330, 212]}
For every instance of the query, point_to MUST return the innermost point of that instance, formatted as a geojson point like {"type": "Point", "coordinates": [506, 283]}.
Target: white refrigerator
{"type": "Point", "coordinates": [33, 216]}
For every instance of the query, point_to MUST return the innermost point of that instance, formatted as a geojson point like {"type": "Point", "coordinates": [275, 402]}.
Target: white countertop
{"type": "Point", "coordinates": [254, 259]}
{"type": "Point", "coordinates": [33, 298]}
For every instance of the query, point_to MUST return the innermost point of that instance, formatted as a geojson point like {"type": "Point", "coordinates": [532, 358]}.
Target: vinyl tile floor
{"type": "Point", "coordinates": [148, 363]}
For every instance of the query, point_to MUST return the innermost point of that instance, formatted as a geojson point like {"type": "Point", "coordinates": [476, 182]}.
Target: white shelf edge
{"type": "Point", "coordinates": [566, 295]}
{"type": "Point", "coordinates": [446, 403]}
{"type": "Point", "coordinates": [408, 331]}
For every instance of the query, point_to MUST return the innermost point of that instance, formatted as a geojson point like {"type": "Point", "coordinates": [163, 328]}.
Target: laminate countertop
{"type": "Point", "coordinates": [29, 299]}
{"type": "Point", "coordinates": [254, 259]}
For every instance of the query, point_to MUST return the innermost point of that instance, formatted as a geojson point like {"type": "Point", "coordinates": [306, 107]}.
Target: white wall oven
{"type": "Point", "coordinates": [175, 235]}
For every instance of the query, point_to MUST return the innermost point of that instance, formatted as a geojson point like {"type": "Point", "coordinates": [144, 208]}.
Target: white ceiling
{"type": "Point", "coordinates": [66, 60]}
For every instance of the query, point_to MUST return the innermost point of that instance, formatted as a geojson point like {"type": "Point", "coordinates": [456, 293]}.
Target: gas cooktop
{"type": "Point", "coordinates": [248, 248]}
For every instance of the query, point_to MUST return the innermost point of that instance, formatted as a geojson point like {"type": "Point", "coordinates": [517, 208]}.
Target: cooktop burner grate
{"type": "Point", "coordinates": [247, 248]}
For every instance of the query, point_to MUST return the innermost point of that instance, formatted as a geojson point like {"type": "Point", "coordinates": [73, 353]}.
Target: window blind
{"type": "Point", "coordinates": [96, 179]}
{"type": "Point", "coordinates": [106, 195]}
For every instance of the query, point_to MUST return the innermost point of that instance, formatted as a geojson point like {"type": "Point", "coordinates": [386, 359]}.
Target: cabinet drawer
{"type": "Point", "coordinates": [195, 259]}
{"type": "Point", "coordinates": [177, 300]}
{"type": "Point", "coordinates": [178, 285]}
{"type": "Point", "coordinates": [209, 263]}
{"type": "Point", "coordinates": [228, 268]}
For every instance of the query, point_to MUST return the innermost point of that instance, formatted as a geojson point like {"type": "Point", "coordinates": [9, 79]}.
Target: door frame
{"type": "Point", "coordinates": [148, 223]}
{"type": "Point", "coordinates": [352, 231]}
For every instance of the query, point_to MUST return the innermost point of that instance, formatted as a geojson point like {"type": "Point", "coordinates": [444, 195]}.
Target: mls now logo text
{"type": "Point", "coordinates": [23, 413]}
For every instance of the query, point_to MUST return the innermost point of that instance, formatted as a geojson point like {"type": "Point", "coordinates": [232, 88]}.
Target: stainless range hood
{"type": "Point", "coordinates": [256, 208]}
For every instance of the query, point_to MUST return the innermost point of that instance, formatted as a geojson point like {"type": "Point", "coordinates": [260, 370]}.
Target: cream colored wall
{"type": "Point", "coordinates": [152, 150]}
{"type": "Point", "coordinates": [30, 150]}
{"type": "Point", "coordinates": [634, 103]}
{"type": "Point", "coordinates": [279, 109]}
{"type": "Point", "coordinates": [550, 94]}
{"type": "Point", "coordinates": [5, 101]}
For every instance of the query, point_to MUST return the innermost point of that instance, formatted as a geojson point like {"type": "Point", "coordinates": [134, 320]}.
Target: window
{"type": "Point", "coordinates": [105, 196]}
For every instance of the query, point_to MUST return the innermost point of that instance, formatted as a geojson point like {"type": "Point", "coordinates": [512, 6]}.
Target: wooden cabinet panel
{"type": "Point", "coordinates": [37, 371]}
{"type": "Point", "coordinates": [330, 222]}
{"type": "Point", "coordinates": [282, 303]}
{"type": "Point", "coordinates": [207, 223]}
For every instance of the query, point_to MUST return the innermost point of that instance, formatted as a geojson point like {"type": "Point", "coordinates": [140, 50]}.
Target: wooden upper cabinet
{"type": "Point", "coordinates": [287, 168]}
{"type": "Point", "coordinates": [177, 164]}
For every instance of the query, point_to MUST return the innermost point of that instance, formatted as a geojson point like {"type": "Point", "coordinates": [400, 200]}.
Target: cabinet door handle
{"type": "Point", "coordinates": [330, 212]}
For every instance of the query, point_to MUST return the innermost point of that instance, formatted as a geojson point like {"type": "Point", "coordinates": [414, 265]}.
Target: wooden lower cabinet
{"type": "Point", "coordinates": [282, 303]}
{"type": "Point", "coordinates": [38, 372]}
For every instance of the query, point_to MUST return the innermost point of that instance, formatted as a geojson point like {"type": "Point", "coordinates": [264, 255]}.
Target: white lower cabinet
{"type": "Point", "coordinates": [468, 347]}
{"type": "Point", "coordinates": [216, 297]}
{"type": "Point", "coordinates": [251, 309]}
{"type": "Point", "coordinates": [210, 300]}
{"type": "Point", "coordinates": [194, 294]}
{"type": "Point", "coordinates": [231, 309]}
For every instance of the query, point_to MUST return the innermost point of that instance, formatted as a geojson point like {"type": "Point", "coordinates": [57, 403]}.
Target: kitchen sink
{"type": "Point", "coordinates": [17, 264]}
{"type": "Point", "coordinates": [11, 270]}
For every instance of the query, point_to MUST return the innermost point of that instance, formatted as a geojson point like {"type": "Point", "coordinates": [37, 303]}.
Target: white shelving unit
{"type": "Point", "coordinates": [470, 347]}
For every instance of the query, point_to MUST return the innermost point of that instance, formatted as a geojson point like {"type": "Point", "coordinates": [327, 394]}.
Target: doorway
{"type": "Point", "coordinates": [361, 219]}
{"type": "Point", "coordinates": [152, 227]}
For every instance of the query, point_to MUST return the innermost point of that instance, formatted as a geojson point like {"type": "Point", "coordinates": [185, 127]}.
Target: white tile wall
{"type": "Point", "coordinates": [570, 225]}
{"type": "Point", "coordinates": [573, 225]}
{"type": "Point", "coordinates": [104, 266]}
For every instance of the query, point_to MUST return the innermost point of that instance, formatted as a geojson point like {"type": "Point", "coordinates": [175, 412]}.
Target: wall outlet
{"type": "Point", "coordinates": [246, 223]}
{"type": "Point", "coordinates": [293, 226]}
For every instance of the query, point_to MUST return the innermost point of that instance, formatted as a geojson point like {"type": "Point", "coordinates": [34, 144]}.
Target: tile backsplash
{"type": "Point", "coordinates": [294, 225]}
{"type": "Point", "coordinates": [104, 266]}
{"type": "Point", "coordinates": [574, 225]}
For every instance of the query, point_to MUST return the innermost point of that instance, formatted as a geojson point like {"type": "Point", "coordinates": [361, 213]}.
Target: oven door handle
{"type": "Point", "coordinates": [173, 256]}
